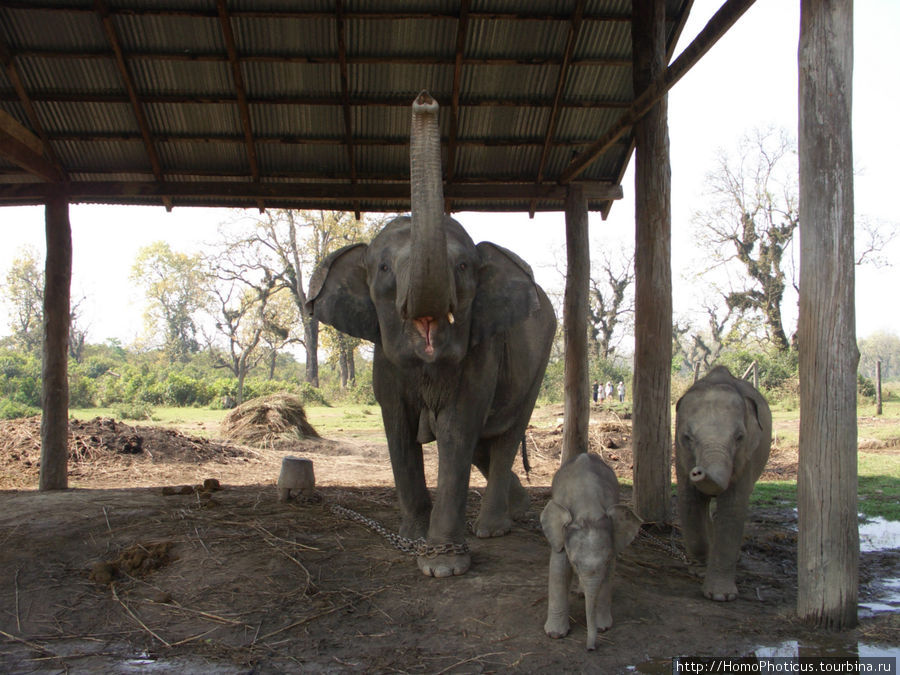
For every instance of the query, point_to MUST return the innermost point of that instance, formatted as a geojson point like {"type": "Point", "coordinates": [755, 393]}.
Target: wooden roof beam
{"type": "Point", "coordinates": [41, 161]}
{"type": "Point", "coordinates": [436, 60]}
{"type": "Point", "coordinates": [21, 147]}
{"type": "Point", "coordinates": [716, 27]}
{"type": "Point", "coordinates": [239, 88]}
{"type": "Point", "coordinates": [389, 101]}
{"type": "Point", "coordinates": [362, 15]}
{"type": "Point", "coordinates": [122, 191]}
{"type": "Point", "coordinates": [461, 28]}
{"type": "Point", "coordinates": [345, 94]}
{"type": "Point", "coordinates": [571, 39]}
{"type": "Point", "coordinates": [136, 106]}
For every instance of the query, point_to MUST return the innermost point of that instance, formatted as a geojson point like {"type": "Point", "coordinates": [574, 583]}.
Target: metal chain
{"type": "Point", "coordinates": [668, 547]}
{"type": "Point", "coordinates": [417, 547]}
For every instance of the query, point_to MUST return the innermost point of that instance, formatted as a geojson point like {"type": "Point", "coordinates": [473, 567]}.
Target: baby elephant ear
{"type": "Point", "coordinates": [554, 519]}
{"type": "Point", "coordinates": [625, 525]}
{"type": "Point", "coordinates": [506, 292]}
{"type": "Point", "coordinates": [339, 293]}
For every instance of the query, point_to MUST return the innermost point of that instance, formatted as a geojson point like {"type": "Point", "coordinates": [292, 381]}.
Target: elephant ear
{"type": "Point", "coordinates": [506, 293]}
{"type": "Point", "coordinates": [625, 525]}
{"type": "Point", "coordinates": [554, 519]}
{"type": "Point", "coordinates": [339, 294]}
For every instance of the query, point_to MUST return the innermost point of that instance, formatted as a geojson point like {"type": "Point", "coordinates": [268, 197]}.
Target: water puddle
{"type": "Point", "coordinates": [878, 534]}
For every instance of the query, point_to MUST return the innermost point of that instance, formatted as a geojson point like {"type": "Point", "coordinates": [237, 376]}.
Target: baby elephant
{"type": "Point", "coordinates": [723, 430]}
{"type": "Point", "coordinates": [587, 527]}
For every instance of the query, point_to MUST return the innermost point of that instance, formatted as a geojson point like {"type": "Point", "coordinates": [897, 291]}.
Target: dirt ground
{"type": "Point", "coordinates": [140, 568]}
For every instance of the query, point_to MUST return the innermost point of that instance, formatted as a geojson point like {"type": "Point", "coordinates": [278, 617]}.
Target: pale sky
{"type": "Point", "coordinates": [747, 80]}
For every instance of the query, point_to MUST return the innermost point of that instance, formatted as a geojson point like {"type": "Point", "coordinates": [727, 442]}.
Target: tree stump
{"type": "Point", "coordinates": [297, 475]}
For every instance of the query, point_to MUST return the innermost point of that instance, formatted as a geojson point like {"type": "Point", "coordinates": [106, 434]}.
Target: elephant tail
{"type": "Point", "coordinates": [525, 463]}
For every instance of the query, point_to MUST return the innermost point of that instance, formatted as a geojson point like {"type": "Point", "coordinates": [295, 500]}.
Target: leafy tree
{"type": "Point", "coordinates": [176, 287]}
{"type": "Point", "coordinates": [23, 292]}
{"type": "Point", "coordinates": [884, 347]}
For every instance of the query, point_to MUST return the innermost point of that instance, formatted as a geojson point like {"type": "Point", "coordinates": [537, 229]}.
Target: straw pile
{"type": "Point", "coordinates": [274, 421]}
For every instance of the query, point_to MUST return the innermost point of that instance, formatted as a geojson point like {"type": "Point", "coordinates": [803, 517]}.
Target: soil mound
{"type": "Point", "coordinates": [272, 421]}
{"type": "Point", "coordinates": [102, 445]}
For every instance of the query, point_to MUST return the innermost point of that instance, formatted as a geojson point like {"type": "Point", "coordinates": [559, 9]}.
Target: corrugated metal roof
{"type": "Point", "coordinates": [131, 96]}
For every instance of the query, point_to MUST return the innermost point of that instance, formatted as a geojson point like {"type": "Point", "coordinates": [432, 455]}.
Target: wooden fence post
{"type": "Point", "coordinates": [878, 387]}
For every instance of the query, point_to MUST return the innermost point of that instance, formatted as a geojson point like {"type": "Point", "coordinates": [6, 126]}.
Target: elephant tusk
{"type": "Point", "coordinates": [450, 318]}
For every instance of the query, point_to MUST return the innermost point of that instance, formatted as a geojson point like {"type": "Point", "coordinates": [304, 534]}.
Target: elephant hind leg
{"type": "Point", "coordinates": [504, 498]}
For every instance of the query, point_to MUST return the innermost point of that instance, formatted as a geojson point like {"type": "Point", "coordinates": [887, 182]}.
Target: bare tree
{"type": "Point", "coordinates": [287, 245]}
{"type": "Point", "coordinates": [611, 303]}
{"type": "Point", "coordinates": [751, 219]}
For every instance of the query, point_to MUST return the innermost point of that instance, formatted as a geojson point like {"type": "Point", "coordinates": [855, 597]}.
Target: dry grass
{"type": "Point", "coordinates": [268, 422]}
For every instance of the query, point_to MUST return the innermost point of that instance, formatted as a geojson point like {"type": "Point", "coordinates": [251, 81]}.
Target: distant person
{"type": "Point", "coordinates": [609, 390]}
{"type": "Point", "coordinates": [621, 390]}
{"type": "Point", "coordinates": [596, 390]}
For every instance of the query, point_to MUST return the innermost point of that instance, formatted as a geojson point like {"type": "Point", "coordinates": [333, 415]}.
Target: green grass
{"type": "Point", "coordinates": [878, 487]}
{"type": "Point", "coordinates": [364, 420]}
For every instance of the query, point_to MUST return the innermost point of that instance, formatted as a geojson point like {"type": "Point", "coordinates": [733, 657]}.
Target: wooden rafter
{"type": "Point", "coordinates": [462, 25]}
{"type": "Point", "coordinates": [716, 27]}
{"type": "Point", "coordinates": [345, 94]}
{"type": "Point", "coordinates": [137, 107]}
{"type": "Point", "coordinates": [383, 15]}
{"type": "Point", "coordinates": [571, 39]}
{"type": "Point", "coordinates": [240, 90]}
{"type": "Point", "coordinates": [376, 101]}
{"type": "Point", "coordinates": [325, 59]}
{"type": "Point", "coordinates": [291, 139]}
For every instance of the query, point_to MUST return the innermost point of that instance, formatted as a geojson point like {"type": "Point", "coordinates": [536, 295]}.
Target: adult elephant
{"type": "Point", "coordinates": [462, 336]}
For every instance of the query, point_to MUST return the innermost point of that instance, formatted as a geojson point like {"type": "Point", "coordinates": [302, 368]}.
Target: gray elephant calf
{"type": "Point", "coordinates": [723, 430]}
{"type": "Point", "coordinates": [586, 528]}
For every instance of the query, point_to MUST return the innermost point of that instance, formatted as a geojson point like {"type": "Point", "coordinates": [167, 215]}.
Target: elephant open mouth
{"type": "Point", "coordinates": [426, 326]}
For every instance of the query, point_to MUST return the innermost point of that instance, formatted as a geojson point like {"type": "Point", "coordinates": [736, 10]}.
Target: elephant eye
{"type": "Point", "coordinates": [739, 436]}
{"type": "Point", "coordinates": [383, 267]}
{"type": "Point", "coordinates": [462, 267]}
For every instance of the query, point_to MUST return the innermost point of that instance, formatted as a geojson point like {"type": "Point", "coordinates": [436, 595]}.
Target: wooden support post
{"type": "Point", "coordinates": [575, 315]}
{"type": "Point", "coordinates": [54, 370]}
{"type": "Point", "coordinates": [828, 536]}
{"type": "Point", "coordinates": [651, 436]}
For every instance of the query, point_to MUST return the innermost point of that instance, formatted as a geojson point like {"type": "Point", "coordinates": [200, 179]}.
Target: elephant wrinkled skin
{"type": "Point", "coordinates": [462, 336]}
{"type": "Point", "coordinates": [586, 528]}
{"type": "Point", "coordinates": [723, 431]}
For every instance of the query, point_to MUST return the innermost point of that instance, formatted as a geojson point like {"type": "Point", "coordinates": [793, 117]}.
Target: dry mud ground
{"type": "Point", "coordinates": [120, 576]}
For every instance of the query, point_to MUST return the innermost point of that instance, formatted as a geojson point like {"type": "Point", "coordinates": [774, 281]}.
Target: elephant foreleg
{"type": "Point", "coordinates": [693, 511]}
{"type": "Point", "coordinates": [559, 579]}
{"type": "Point", "coordinates": [448, 516]}
{"type": "Point", "coordinates": [409, 471]}
{"type": "Point", "coordinates": [725, 547]}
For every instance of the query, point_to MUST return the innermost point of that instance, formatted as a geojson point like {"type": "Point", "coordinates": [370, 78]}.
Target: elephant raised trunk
{"type": "Point", "coordinates": [430, 295]}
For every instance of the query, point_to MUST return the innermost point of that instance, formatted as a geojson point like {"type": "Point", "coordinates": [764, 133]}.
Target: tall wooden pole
{"type": "Point", "coordinates": [828, 537]}
{"type": "Point", "coordinates": [575, 316]}
{"type": "Point", "coordinates": [878, 407]}
{"type": "Point", "coordinates": [54, 369]}
{"type": "Point", "coordinates": [651, 435]}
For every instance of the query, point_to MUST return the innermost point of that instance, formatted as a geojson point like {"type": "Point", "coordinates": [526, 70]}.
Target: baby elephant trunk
{"type": "Point", "coordinates": [591, 587]}
{"type": "Point", "coordinates": [712, 473]}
